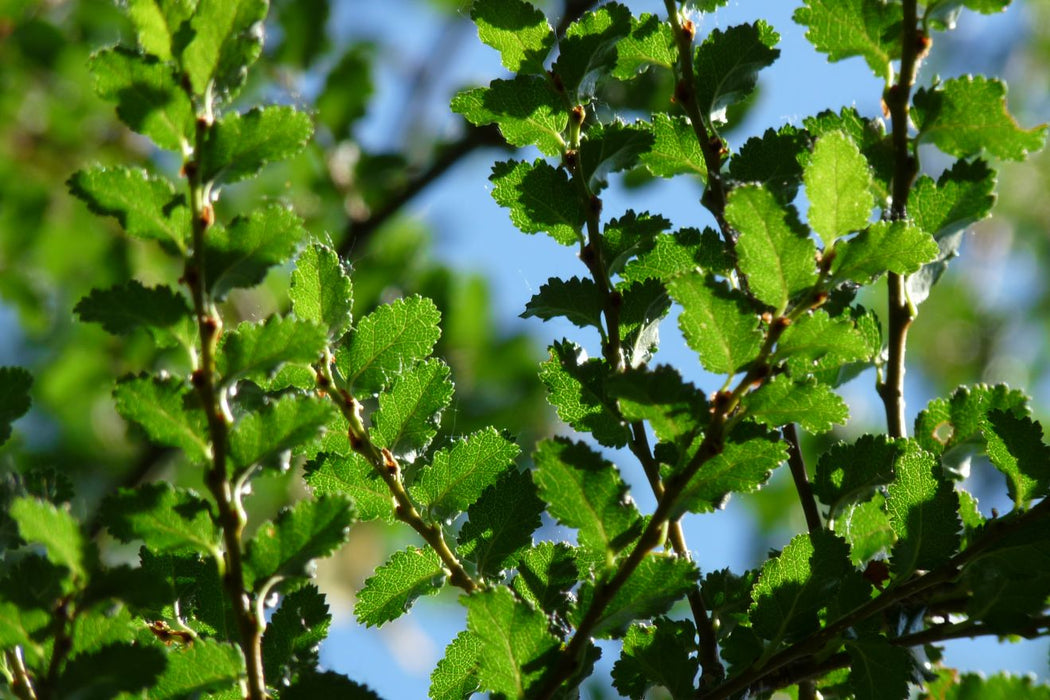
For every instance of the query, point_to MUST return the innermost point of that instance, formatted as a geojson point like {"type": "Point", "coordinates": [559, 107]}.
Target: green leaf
{"type": "Point", "coordinates": [501, 523]}
{"type": "Point", "coordinates": [867, 28]}
{"type": "Point", "coordinates": [456, 675]}
{"type": "Point", "coordinates": [166, 518]}
{"type": "Point", "coordinates": [679, 253]}
{"type": "Point", "coordinates": [849, 472]}
{"type": "Point", "coordinates": [282, 425]}
{"type": "Point", "coordinates": [650, 43]}
{"type": "Point", "coordinates": [407, 575]}
{"type": "Point", "coordinates": [239, 145]}
{"type": "Point", "coordinates": [676, 410]}
{"type": "Point", "coordinates": [294, 633]}
{"type": "Point", "coordinates": [546, 574]}
{"type": "Point", "coordinates": [457, 476]}
{"type": "Point", "coordinates": [886, 246]}
{"type": "Point", "coordinates": [227, 37]}
{"type": "Point", "coordinates": [55, 528]}
{"type": "Point", "coordinates": [923, 510]}
{"type": "Point", "coordinates": [675, 149]}
{"type": "Point", "coordinates": [168, 411]}
{"type": "Point", "coordinates": [14, 397]}
{"type": "Point", "coordinates": [1016, 448]}
{"type": "Point", "coordinates": [157, 22]}
{"type": "Point", "coordinates": [774, 249]}
{"type": "Point", "coordinates": [353, 476]}
{"type": "Point", "coordinates": [610, 148]}
{"type": "Point", "coordinates": [866, 526]}
{"type": "Point", "coordinates": [812, 405]}
{"type": "Point", "coordinates": [645, 304]}
{"type": "Point", "coordinates": [727, 65]}
{"type": "Point", "coordinates": [628, 236]}
{"type": "Point", "coordinates": [657, 655]}
{"type": "Point", "coordinates": [576, 388]}
{"type": "Point", "coordinates": [794, 586]}
{"type": "Point", "coordinates": [651, 589]}
{"type": "Point", "coordinates": [962, 195]}
{"type": "Point", "coordinates": [147, 94]}
{"type": "Point", "coordinates": [240, 254]}
{"type": "Point", "coordinates": [838, 186]}
{"type": "Point", "coordinates": [869, 135]}
{"type": "Point", "coordinates": [517, 30]}
{"type": "Point", "coordinates": [388, 341]}
{"type": "Point", "coordinates": [816, 341]}
{"type": "Point", "coordinates": [311, 529]}
{"type": "Point", "coordinates": [717, 323]}
{"type": "Point", "coordinates": [110, 671]}
{"type": "Point", "coordinates": [772, 160]}
{"type": "Point", "coordinates": [540, 199]}
{"type": "Point", "coordinates": [204, 666]}
{"type": "Point", "coordinates": [123, 308]}
{"type": "Point", "coordinates": [966, 115]}
{"type": "Point", "coordinates": [745, 463]}
{"type": "Point", "coordinates": [1009, 585]}
{"type": "Point", "coordinates": [257, 350]}
{"type": "Point", "coordinates": [578, 300]}
{"type": "Point", "coordinates": [348, 88]}
{"type": "Point", "coordinates": [526, 108]}
{"type": "Point", "coordinates": [515, 645]}
{"type": "Point", "coordinates": [1002, 686]}
{"type": "Point", "coordinates": [144, 204]}
{"type": "Point", "coordinates": [321, 290]}
{"type": "Point", "coordinates": [586, 492]}
{"type": "Point", "coordinates": [963, 418]}
{"type": "Point", "coordinates": [327, 684]}
{"type": "Point", "coordinates": [879, 670]}
{"type": "Point", "coordinates": [410, 412]}
{"type": "Point", "coordinates": [587, 52]}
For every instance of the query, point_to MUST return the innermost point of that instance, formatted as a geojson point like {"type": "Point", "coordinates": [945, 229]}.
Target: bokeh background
{"type": "Point", "coordinates": [400, 185]}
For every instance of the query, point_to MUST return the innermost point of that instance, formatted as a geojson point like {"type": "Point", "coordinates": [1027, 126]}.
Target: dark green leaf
{"type": "Point", "coordinates": [610, 148]}
{"type": "Point", "coordinates": [311, 529]}
{"type": "Point", "coordinates": [353, 476]}
{"type": "Point", "coordinates": [347, 89]}
{"type": "Point", "coordinates": [546, 574]}
{"type": "Point", "coordinates": [166, 518]}
{"type": "Point", "coordinates": [321, 290]}
{"type": "Point", "coordinates": [327, 684]}
{"type": "Point", "coordinates": [772, 160]}
{"type": "Point", "coordinates": [147, 94]}
{"type": "Point", "coordinates": [94, 629]}
{"type": "Point", "coordinates": [282, 425]}
{"type": "Point", "coordinates": [644, 305]}
{"type": "Point", "coordinates": [240, 254]}
{"type": "Point", "coordinates": [257, 350]}
{"type": "Point", "coordinates": [879, 670]}
{"type": "Point", "coordinates": [867, 28]}
{"type": "Point", "coordinates": [227, 37]}
{"type": "Point", "coordinates": [961, 196]}
{"type": "Point", "coordinates": [744, 464]}
{"type": "Point", "coordinates": [456, 675]}
{"type": "Point", "coordinates": [144, 204]}
{"type": "Point", "coordinates": [240, 145]}
{"type": "Point", "coordinates": [295, 632]}
{"type": "Point", "coordinates": [586, 492]}
{"type": "Point", "coordinates": [849, 472]}
{"type": "Point", "coordinates": [629, 236]}
{"type": "Point", "coordinates": [675, 149]}
{"type": "Point", "coordinates": [14, 397]}
{"type": "Point", "coordinates": [517, 30]}
{"type": "Point", "coordinates": [168, 411]}
{"type": "Point", "coordinates": [501, 523]}
{"type": "Point", "coordinates": [410, 412]}
{"type": "Point", "coordinates": [515, 646]}
{"type": "Point", "coordinates": [388, 341]}
{"type": "Point", "coordinates": [963, 418]}
{"type": "Point", "coordinates": [110, 671]}
{"type": "Point", "coordinates": [540, 199]}
{"type": "Point", "coordinates": [650, 43]}
{"type": "Point", "coordinates": [1010, 584]}
{"type": "Point", "coordinates": [204, 666]}
{"type": "Point", "coordinates": [1016, 448]}
{"type": "Point", "coordinates": [812, 405]}
{"type": "Point", "coordinates": [587, 52]}
{"type": "Point", "coordinates": [886, 246]}
{"type": "Point", "coordinates": [457, 476]}
{"type": "Point", "coordinates": [301, 41]}
{"type": "Point", "coordinates": [657, 655]}
{"type": "Point", "coordinates": [576, 388]}
{"type": "Point", "coordinates": [389, 593]}
{"type": "Point", "coordinates": [55, 528]}
{"type": "Point", "coordinates": [774, 249]}
{"type": "Point", "coordinates": [676, 410]}
{"type": "Point", "coordinates": [527, 109]}
{"type": "Point", "coordinates": [124, 308]}
{"type": "Point", "coordinates": [964, 116]}
{"type": "Point", "coordinates": [716, 323]}
{"type": "Point", "coordinates": [727, 65]}
{"type": "Point", "coordinates": [838, 186]}
{"type": "Point", "coordinates": [677, 254]}
{"type": "Point", "coordinates": [578, 300]}
{"type": "Point", "coordinates": [923, 510]}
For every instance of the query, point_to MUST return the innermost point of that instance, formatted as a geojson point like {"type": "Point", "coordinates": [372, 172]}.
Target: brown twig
{"type": "Point", "coordinates": [798, 472]}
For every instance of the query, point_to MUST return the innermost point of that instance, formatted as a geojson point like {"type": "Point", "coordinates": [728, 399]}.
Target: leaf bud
{"type": "Point", "coordinates": [579, 114]}
{"type": "Point", "coordinates": [688, 29]}
{"type": "Point", "coordinates": [208, 215]}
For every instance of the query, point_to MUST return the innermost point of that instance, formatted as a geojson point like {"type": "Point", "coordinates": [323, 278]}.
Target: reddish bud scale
{"type": "Point", "coordinates": [356, 443]}
{"type": "Point", "coordinates": [689, 30]}
{"type": "Point", "coordinates": [389, 462]}
{"type": "Point", "coordinates": [579, 114]}
{"type": "Point", "coordinates": [208, 215]}
{"type": "Point", "coordinates": [923, 43]}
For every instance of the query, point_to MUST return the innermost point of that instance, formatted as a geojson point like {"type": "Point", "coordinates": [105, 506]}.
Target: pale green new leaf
{"type": "Point", "coordinates": [1016, 448]}
{"type": "Point", "coordinates": [870, 136]}
{"type": "Point", "coordinates": [727, 65]}
{"type": "Point", "coordinates": [457, 476]}
{"type": "Point", "coordinates": [285, 424]}
{"type": "Point", "coordinates": [747, 460]}
{"type": "Point", "coordinates": [157, 22]}
{"type": "Point", "coordinates": [717, 323]}
{"type": "Point", "coordinates": [387, 341]}
{"type": "Point", "coordinates": [14, 397]}
{"type": "Point", "coordinates": [407, 575]}
{"type": "Point", "coordinates": [879, 670]}
{"type": "Point", "coordinates": [312, 528]}
{"type": "Point", "coordinates": [501, 523]}
{"type": "Point", "coordinates": [144, 204]}
{"type": "Point", "coordinates": [410, 412]}
{"type": "Point", "coordinates": [966, 115]}
{"type": "Point", "coordinates": [257, 350]}
{"type": "Point", "coordinates": [168, 411]}
{"type": "Point", "coordinates": [650, 43]}
{"type": "Point", "coordinates": [240, 254]}
{"type": "Point", "coordinates": [227, 37]}
{"type": "Point", "coordinates": [352, 476]}
{"type": "Point", "coordinates": [456, 675]}
{"type": "Point", "coordinates": [540, 199]}
{"type": "Point", "coordinates": [240, 145]}
{"type": "Point", "coordinates": [675, 149]}
{"type": "Point", "coordinates": [576, 388]}
{"type": "Point", "coordinates": [580, 301]}
{"type": "Point", "coordinates": [774, 249]}
{"type": "Point", "coordinates": [123, 308]}
{"type": "Point", "coordinates": [845, 28]}
{"type": "Point", "coordinates": [147, 94]}
{"type": "Point", "coordinates": [962, 195]}
{"type": "Point", "coordinates": [886, 246]}
{"type": "Point", "coordinates": [587, 52]}
{"type": "Point", "coordinates": [168, 519]}
{"type": "Point", "coordinates": [657, 655]}
{"type": "Point", "coordinates": [526, 108]}
{"type": "Point", "coordinates": [321, 290]}
{"type": "Point", "coordinates": [204, 666]}
{"type": "Point", "coordinates": [55, 528]}
{"type": "Point", "coordinates": [515, 646]}
{"type": "Point", "coordinates": [517, 30]}
{"type": "Point", "coordinates": [586, 492]}
{"type": "Point", "coordinates": [809, 403]}
{"type": "Point", "coordinates": [923, 510]}
{"type": "Point", "coordinates": [838, 186]}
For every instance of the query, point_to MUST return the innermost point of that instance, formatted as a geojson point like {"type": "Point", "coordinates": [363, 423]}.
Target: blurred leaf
{"type": "Point", "coordinates": [526, 108]}
{"type": "Point", "coordinates": [282, 425]}
{"type": "Point", "coordinates": [657, 655]}
{"type": "Point", "coordinates": [500, 523]}
{"type": "Point", "coordinates": [55, 528]}
{"type": "Point", "coordinates": [838, 184]}
{"type": "Point", "coordinates": [410, 411]}
{"type": "Point", "coordinates": [327, 684]}
{"type": "Point", "coordinates": [923, 510]}
{"type": "Point", "coordinates": [459, 475]}
{"type": "Point", "coordinates": [157, 22]}
{"type": "Point", "coordinates": [539, 198]}
{"type": "Point", "coordinates": [347, 90]}
{"type": "Point", "coordinates": [160, 407]}
{"type": "Point", "coordinates": [391, 590]}
{"type": "Point", "coordinates": [15, 383]}
{"type": "Point", "coordinates": [978, 686]}
{"type": "Point", "coordinates": [110, 671]}
{"type": "Point", "coordinates": [238, 146]}
{"type": "Point", "coordinates": [866, 28]}
{"type": "Point", "coordinates": [517, 30]}
{"type": "Point", "coordinates": [716, 323]}
{"type": "Point", "coordinates": [576, 388]}
{"type": "Point", "coordinates": [321, 290]}
{"type": "Point", "coordinates": [239, 255]}
{"type": "Point", "coordinates": [311, 529]}
{"type": "Point", "coordinates": [204, 666]}
{"type": "Point", "coordinates": [303, 36]}
{"type": "Point", "coordinates": [227, 38]}
{"type": "Point", "coordinates": [166, 518]}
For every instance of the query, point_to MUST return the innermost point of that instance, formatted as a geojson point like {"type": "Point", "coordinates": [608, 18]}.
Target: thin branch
{"type": "Point", "coordinates": [22, 684]}
{"type": "Point", "coordinates": [798, 472]}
